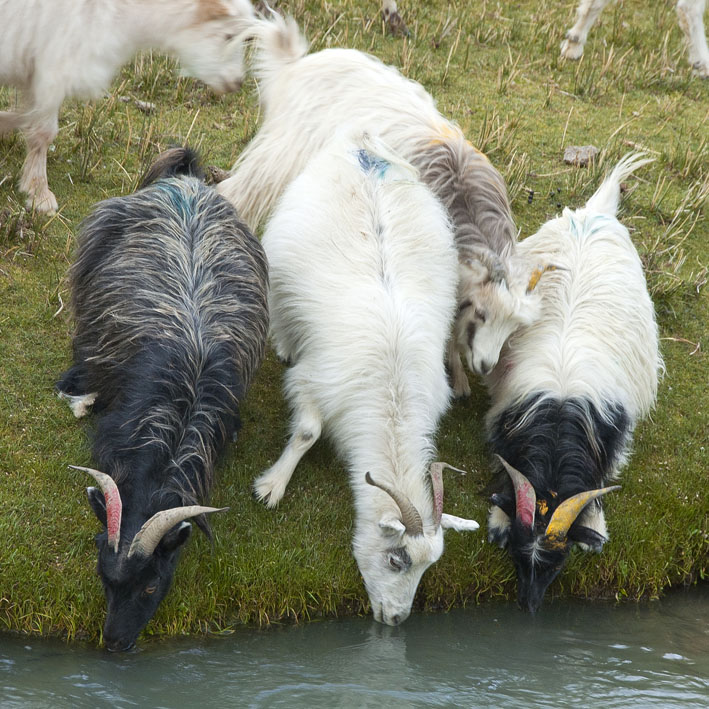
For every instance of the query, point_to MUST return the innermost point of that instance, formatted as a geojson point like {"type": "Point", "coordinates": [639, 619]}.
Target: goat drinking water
{"type": "Point", "coordinates": [363, 271]}
{"type": "Point", "coordinates": [569, 389]}
{"type": "Point", "coordinates": [169, 292]}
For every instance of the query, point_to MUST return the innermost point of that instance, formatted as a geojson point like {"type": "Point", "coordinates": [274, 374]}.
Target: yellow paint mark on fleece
{"type": "Point", "coordinates": [542, 507]}
{"type": "Point", "coordinates": [537, 273]}
{"type": "Point", "coordinates": [447, 131]}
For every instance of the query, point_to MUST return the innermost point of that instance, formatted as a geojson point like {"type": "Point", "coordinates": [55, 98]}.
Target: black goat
{"type": "Point", "coordinates": [170, 299]}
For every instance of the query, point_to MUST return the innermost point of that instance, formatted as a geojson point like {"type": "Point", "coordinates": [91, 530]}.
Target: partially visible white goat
{"type": "Point", "coordinates": [51, 49]}
{"type": "Point", "coordinates": [363, 274]}
{"type": "Point", "coordinates": [306, 97]}
{"type": "Point", "coordinates": [690, 14]}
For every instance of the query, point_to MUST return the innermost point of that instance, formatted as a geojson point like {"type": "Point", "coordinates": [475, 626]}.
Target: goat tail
{"type": "Point", "coordinates": [279, 42]}
{"type": "Point", "coordinates": [607, 197]}
{"type": "Point", "coordinates": [173, 162]}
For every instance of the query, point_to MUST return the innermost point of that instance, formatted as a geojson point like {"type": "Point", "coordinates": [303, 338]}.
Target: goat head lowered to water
{"type": "Point", "coordinates": [363, 280]}
{"type": "Point", "coordinates": [169, 293]}
{"type": "Point", "coordinates": [569, 388]}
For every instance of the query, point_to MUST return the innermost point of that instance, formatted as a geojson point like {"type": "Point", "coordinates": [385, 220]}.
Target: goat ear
{"type": "Point", "coordinates": [176, 537]}
{"type": "Point", "coordinates": [498, 526]}
{"type": "Point", "coordinates": [586, 537]}
{"type": "Point", "coordinates": [458, 523]}
{"type": "Point", "coordinates": [98, 504]}
{"type": "Point", "coordinates": [392, 525]}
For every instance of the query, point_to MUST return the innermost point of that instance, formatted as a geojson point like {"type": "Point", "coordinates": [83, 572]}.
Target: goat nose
{"type": "Point", "coordinates": [395, 619]}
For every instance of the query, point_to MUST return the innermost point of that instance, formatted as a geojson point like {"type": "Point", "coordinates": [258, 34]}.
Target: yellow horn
{"type": "Point", "coordinates": [537, 273]}
{"type": "Point", "coordinates": [566, 513]}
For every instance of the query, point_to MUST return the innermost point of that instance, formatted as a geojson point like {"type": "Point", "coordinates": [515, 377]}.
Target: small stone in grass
{"type": "Point", "coordinates": [580, 155]}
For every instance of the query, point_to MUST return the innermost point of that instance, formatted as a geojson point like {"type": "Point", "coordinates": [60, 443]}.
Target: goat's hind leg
{"type": "Point", "coordinates": [271, 485]}
{"type": "Point", "coordinates": [586, 16]}
{"type": "Point", "coordinates": [690, 14]}
{"type": "Point", "coordinates": [33, 182]}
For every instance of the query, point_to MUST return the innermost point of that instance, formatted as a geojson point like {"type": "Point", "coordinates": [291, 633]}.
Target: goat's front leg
{"type": "Point", "coordinates": [586, 16]}
{"type": "Point", "coordinates": [691, 19]}
{"type": "Point", "coordinates": [271, 485]}
{"type": "Point", "coordinates": [39, 135]}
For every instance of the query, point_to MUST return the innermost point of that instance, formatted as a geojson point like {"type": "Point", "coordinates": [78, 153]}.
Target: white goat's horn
{"type": "Point", "coordinates": [114, 505]}
{"type": "Point", "coordinates": [409, 514]}
{"type": "Point", "coordinates": [150, 534]}
{"type": "Point", "coordinates": [493, 262]}
{"type": "Point", "coordinates": [525, 496]}
{"type": "Point", "coordinates": [436, 473]}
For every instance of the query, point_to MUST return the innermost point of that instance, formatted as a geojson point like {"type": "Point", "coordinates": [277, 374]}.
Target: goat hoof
{"type": "Point", "coordinates": [268, 490]}
{"type": "Point", "coordinates": [44, 203]}
{"type": "Point", "coordinates": [701, 69]}
{"type": "Point", "coordinates": [571, 49]}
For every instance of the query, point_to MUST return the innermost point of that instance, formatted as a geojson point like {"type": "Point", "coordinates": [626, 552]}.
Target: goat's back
{"type": "Point", "coordinates": [170, 265]}
{"type": "Point", "coordinates": [597, 337]}
{"type": "Point", "coordinates": [363, 277]}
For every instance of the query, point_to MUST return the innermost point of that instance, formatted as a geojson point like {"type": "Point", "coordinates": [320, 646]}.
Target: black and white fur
{"type": "Point", "coordinates": [569, 389]}
{"type": "Point", "coordinates": [169, 294]}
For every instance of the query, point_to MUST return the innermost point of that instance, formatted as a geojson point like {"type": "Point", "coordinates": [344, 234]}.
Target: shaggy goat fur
{"type": "Point", "coordinates": [170, 299]}
{"type": "Point", "coordinates": [50, 49]}
{"type": "Point", "coordinates": [569, 389]}
{"type": "Point", "coordinates": [690, 14]}
{"type": "Point", "coordinates": [363, 266]}
{"type": "Point", "coordinates": [305, 98]}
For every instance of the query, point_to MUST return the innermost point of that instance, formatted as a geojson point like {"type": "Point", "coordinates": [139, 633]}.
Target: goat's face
{"type": "Point", "coordinates": [491, 308]}
{"type": "Point", "coordinates": [392, 563]}
{"type": "Point", "coordinates": [538, 529]}
{"type": "Point", "coordinates": [536, 562]}
{"type": "Point", "coordinates": [393, 546]}
{"type": "Point", "coordinates": [135, 586]}
{"type": "Point", "coordinates": [136, 566]}
{"type": "Point", "coordinates": [213, 50]}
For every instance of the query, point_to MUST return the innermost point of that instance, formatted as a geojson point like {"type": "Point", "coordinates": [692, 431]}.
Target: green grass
{"type": "Point", "coordinates": [495, 68]}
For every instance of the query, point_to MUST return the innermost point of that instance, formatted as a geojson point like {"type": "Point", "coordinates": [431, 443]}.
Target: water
{"type": "Point", "coordinates": [572, 655]}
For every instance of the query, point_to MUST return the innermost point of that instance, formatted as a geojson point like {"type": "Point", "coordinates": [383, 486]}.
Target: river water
{"type": "Point", "coordinates": [572, 654]}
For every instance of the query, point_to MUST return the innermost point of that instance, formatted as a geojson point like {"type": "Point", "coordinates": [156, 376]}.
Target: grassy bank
{"type": "Point", "coordinates": [494, 67]}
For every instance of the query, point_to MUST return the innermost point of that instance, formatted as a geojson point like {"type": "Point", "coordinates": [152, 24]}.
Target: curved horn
{"type": "Point", "coordinates": [492, 261]}
{"type": "Point", "coordinates": [409, 514]}
{"type": "Point", "coordinates": [114, 505]}
{"type": "Point", "coordinates": [525, 497]}
{"type": "Point", "coordinates": [436, 473]}
{"type": "Point", "coordinates": [150, 534]}
{"type": "Point", "coordinates": [565, 514]}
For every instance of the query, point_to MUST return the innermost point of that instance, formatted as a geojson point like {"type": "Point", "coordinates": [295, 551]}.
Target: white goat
{"type": "Point", "coordinates": [51, 49]}
{"type": "Point", "coordinates": [362, 270]}
{"type": "Point", "coordinates": [569, 390]}
{"type": "Point", "coordinates": [690, 14]}
{"type": "Point", "coordinates": [305, 98]}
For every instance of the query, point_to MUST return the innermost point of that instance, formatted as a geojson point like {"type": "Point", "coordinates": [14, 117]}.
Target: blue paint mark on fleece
{"type": "Point", "coordinates": [590, 224]}
{"type": "Point", "coordinates": [181, 201]}
{"type": "Point", "coordinates": [371, 163]}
